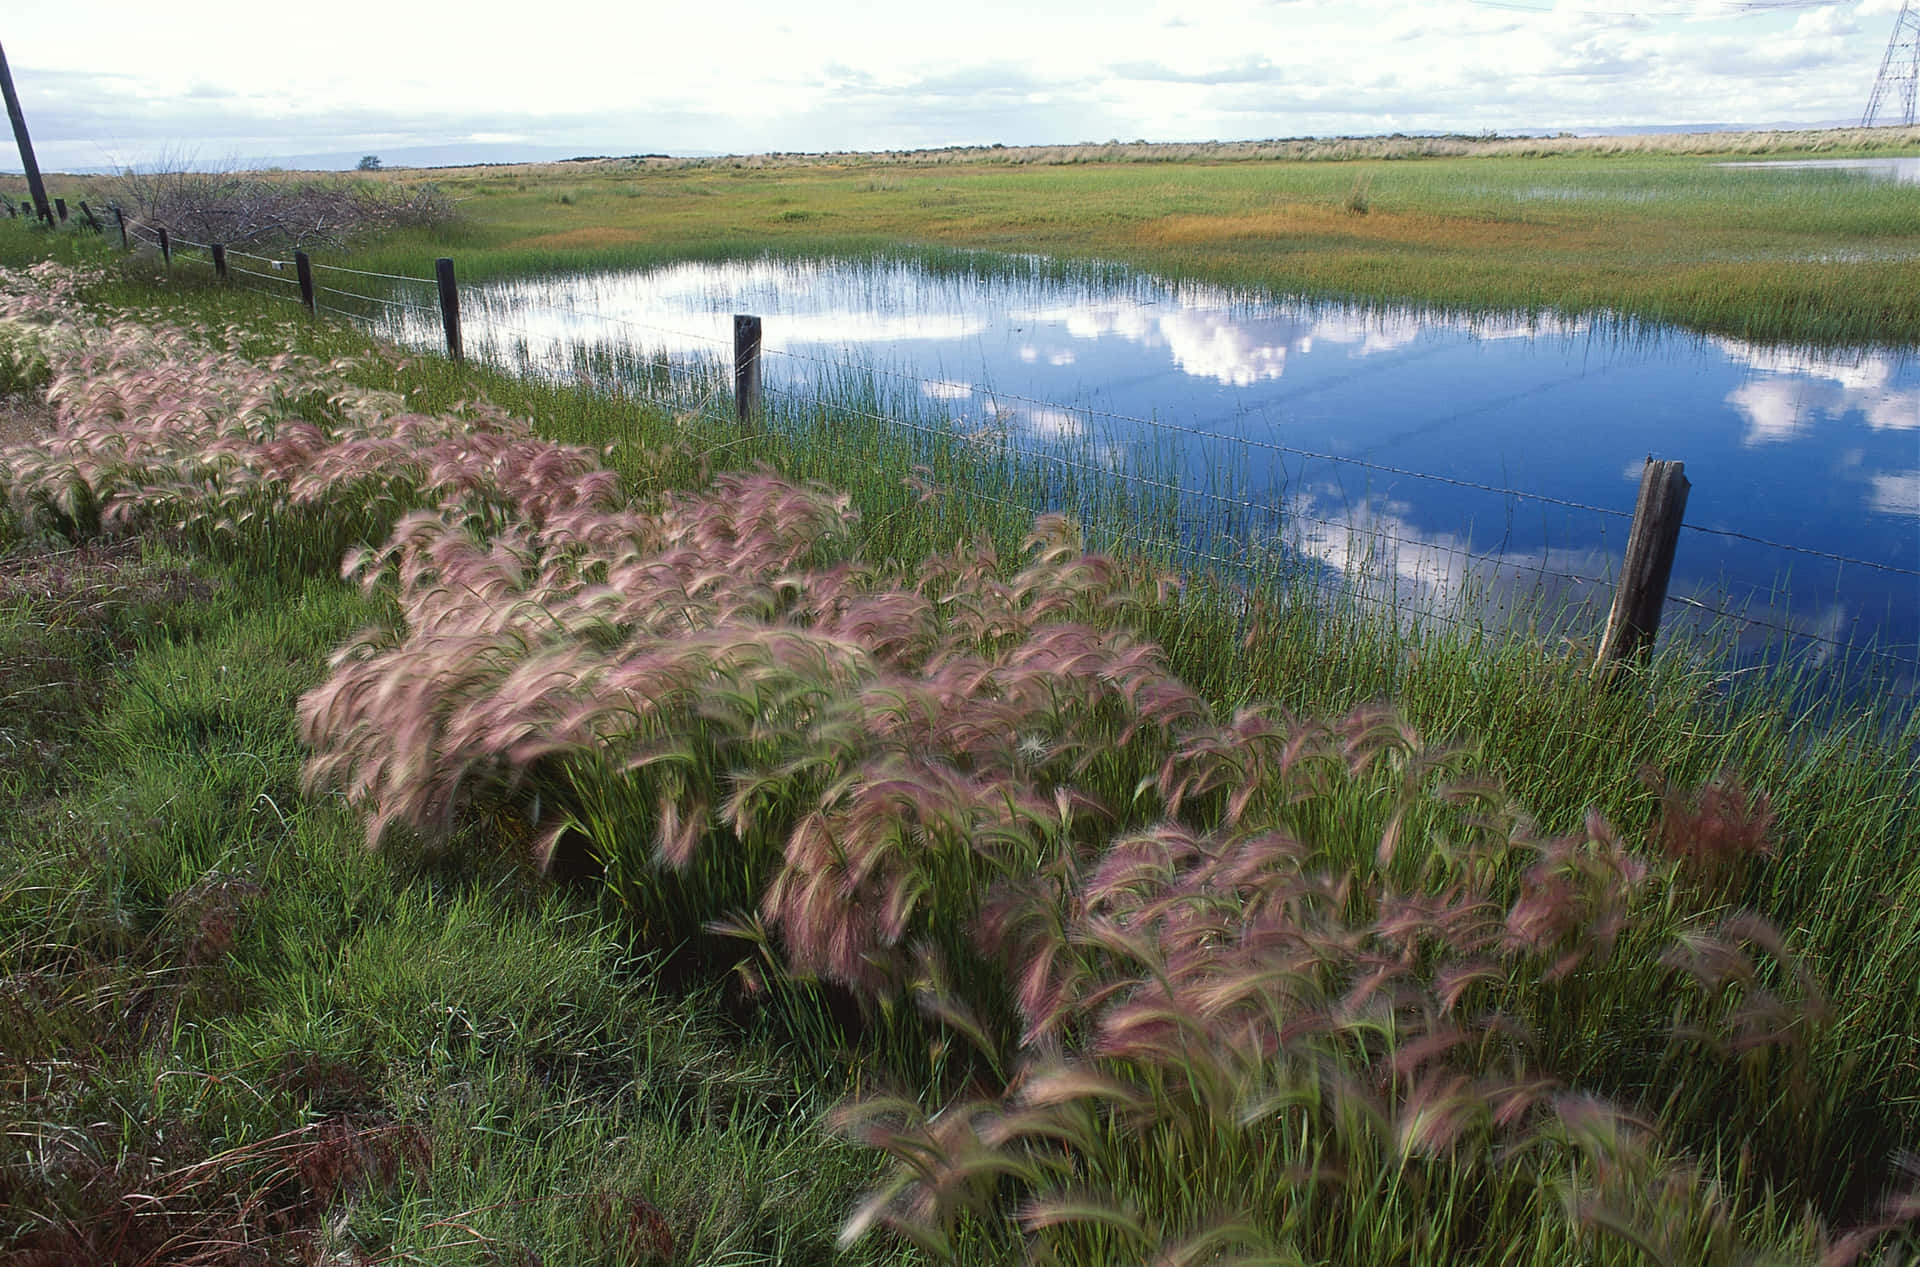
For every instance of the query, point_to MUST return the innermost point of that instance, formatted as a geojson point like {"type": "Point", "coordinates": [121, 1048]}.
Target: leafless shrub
{"type": "Point", "coordinates": [249, 209]}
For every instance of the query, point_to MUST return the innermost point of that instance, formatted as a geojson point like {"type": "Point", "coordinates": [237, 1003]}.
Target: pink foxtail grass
{"type": "Point", "coordinates": [1238, 983]}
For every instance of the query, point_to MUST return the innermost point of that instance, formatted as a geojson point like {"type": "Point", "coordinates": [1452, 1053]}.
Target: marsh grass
{"type": "Point", "coordinates": [1626, 228]}
{"type": "Point", "coordinates": [1190, 930]}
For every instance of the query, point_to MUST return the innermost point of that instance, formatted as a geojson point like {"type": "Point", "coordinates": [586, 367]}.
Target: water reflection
{"type": "Point", "coordinates": [1903, 171]}
{"type": "Point", "coordinates": [1316, 417]}
{"type": "Point", "coordinates": [1789, 388]}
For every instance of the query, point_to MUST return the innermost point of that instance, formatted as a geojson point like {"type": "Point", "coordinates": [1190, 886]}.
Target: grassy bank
{"type": "Point", "coordinates": [953, 803]}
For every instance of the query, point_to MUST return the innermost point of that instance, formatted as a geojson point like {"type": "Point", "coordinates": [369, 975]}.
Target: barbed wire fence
{"type": "Point", "coordinates": [1227, 531]}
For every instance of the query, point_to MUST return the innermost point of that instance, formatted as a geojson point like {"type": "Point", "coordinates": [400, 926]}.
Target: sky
{"type": "Point", "coordinates": [218, 81]}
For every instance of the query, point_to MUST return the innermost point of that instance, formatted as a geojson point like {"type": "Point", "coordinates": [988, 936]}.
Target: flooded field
{"type": "Point", "coordinates": [1904, 171]}
{"type": "Point", "coordinates": [1431, 461]}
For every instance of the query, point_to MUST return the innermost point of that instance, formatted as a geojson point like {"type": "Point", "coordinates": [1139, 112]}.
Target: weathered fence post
{"type": "Point", "coordinates": [449, 308]}
{"type": "Point", "coordinates": [60, 207]}
{"type": "Point", "coordinates": [121, 217]}
{"type": "Point", "coordinates": [27, 162]}
{"type": "Point", "coordinates": [93, 221]}
{"type": "Point", "coordinates": [166, 248]}
{"type": "Point", "coordinates": [220, 261]}
{"type": "Point", "coordinates": [304, 267]}
{"type": "Point", "coordinates": [1648, 566]}
{"type": "Point", "coordinates": [746, 365]}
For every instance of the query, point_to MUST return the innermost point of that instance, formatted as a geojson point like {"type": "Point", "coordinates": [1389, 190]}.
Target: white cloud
{"type": "Point", "coordinates": [1790, 388]}
{"type": "Point", "coordinates": [1896, 493]}
{"type": "Point", "coordinates": [1381, 555]}
{"type": "Point", "coordinates": [1775, 410]}
{"type": "Point", "coordinates": [830, 75]}
{"type": "Point", "coordinates": [1053, 424]}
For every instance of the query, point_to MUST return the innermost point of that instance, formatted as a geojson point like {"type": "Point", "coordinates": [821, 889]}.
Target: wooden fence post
{"type": "Point", "coordinates": [60, 206]}
{"type": "Point", "coordinates": [220, 261]}
{"type": "Point", "coordinates": [121, 217]}
{"type": "Point", "coordinates": [166, 248]}
{"type": "Point", "coordinates": [27, 162]}
{"type": "Point", "coordinates": [1648, 566]}
{"type": "Point", "coordinates": [304, 267]}
{"type": "Point", "coordinates": [93, 221]}
{"type": "Point", "coordinates": [746, 365]}
{"type": "Point", "coordinates": [449, 309]}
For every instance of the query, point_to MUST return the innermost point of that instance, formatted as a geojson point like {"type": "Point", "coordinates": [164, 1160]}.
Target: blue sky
{"type": "Point", "coordinates": [223, 81]}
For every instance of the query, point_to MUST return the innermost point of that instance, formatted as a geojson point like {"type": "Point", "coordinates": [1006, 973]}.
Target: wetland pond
{"type": "Point", "coordinates": [1425, 459]}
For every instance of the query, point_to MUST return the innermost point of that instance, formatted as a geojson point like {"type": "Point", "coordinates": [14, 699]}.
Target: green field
{"type": "Point", "coordinates": [1642, 227]}
{"type": "Point", "coordinates": [824, 862]}
{"type": "Point", "coordinates": [1764, 254]}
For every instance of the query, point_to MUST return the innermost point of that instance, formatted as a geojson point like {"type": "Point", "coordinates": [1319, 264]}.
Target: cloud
{"type": "Point", "coordinates": [1827, 22]}
{"type": "Point", "coordinates": [1006, 70]}
{"type": "Point", "coordinates": [1248, 70]}
{"type": "Point", "coordinates": [1791, 388]}
{"type": "Point", "coordinates": [1896, 493]}
{"type": "Point", "coordinates": [1775, 410]}
{"type": "Point", "coordinates": [1053, 424]}
{"type": "Point", "coordinates": [1380, 555]}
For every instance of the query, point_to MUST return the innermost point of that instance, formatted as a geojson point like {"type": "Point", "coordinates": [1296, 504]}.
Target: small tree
{"type": "Point", "coordinates": [369, 163]}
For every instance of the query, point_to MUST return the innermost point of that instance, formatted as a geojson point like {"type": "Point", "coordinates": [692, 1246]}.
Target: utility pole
{"type": "Point", "coordinates": [1899, 69]}
{"type": "Point", "coordinates": [26, 142]}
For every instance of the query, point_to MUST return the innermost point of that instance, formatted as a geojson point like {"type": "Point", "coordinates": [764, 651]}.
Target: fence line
{"type": "Point", "coordinates": [1793, 549]}
{"type": "Point", "coordinates": [1161, 424]}
{"type": "Point", "coordinates": [375, 299]}
{"type": "Point", "coordinates": [265, 277]}
{"type": "Point", "coordinates": [264, 259]}
{"type": "Point", "coordinates": [725, 344]}
{"type": "Point", "coordinates": [1742, 618]}
{"type": "Point", "coordinates": [361, 272]}
{"type": "Point", "coordinates": [275, 295]}
{"type": "Point", "coordinates": [1292, 516]}
{"type": "Point", "coordinates": [1100, 474]}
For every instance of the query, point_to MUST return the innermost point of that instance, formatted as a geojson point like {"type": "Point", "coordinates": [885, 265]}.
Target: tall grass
{"type": "Point", "coordinates": [1211, 957]}
{"type": "Point", "coordinates": [228, 1033]}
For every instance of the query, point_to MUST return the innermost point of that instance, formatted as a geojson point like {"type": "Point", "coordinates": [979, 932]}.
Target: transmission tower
{"type": "Point", "coordinates": [1899, 69]}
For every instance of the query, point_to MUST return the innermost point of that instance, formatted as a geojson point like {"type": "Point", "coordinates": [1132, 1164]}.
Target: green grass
{"type": "Point", "coordinates": [391, 978]}
{"type": "Point", "coordinates": [1642, 228]}
{"type": "Point", "coordinates": [217, 997]}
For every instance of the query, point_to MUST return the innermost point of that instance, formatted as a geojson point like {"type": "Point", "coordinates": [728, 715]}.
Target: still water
{"type": "Point", "coordinates": [1902, 171]}
{"type": "Point", "coordinates": [1424, 458]}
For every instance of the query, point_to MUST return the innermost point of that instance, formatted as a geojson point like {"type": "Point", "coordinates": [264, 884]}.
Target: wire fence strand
{"type": "Point", "coordinates": [285, 299]}
{"type": "Point", "coordinates": [265, 277]}
{"type": "Point", "coordinates": [263, 259]}
{"type": "Point", "coordinates": [1895, 569]}
{"type": "Point", "coordinates": [361, 272]}
{"type": "Point", "coordinates": [1745, 618]}
{"type": "Point", "coordinates": [375, 299]}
